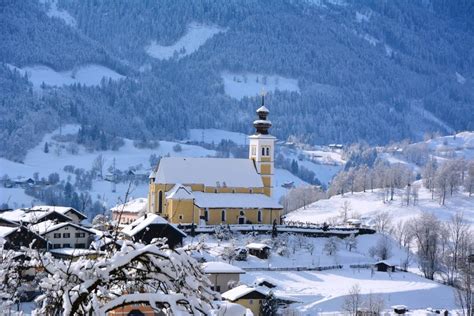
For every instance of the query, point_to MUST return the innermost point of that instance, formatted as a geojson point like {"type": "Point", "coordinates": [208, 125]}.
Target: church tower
{"type": "Point", "coordinates": [262, 148]}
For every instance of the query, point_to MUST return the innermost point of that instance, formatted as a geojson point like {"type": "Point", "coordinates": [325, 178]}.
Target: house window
{"type": "Point", "coordinates": [79, 245]}
{"type": "Point", "coordinates": [66, 235]}
{"type": "Point", "coordinates": [180, 217]}
{"type": "Point", "coordinates": [263, 151]}
{"type": "Point", "coordinates": [251, 302]}
{"type": "Point", "coordinates": [66, 246]}
{"type": "Point", "coordinates": [57, 235]}
{"type": "Point", "coordinates": [80, 235]}
{"type": "Point", "coordinates": [160, 202]}
{"type": "Point", "coordinates": [57, 246]}
{"type": "Point", "coordinates": [216, 288]}
{"type": "Point", "coordinates": [259, 216]}
{"type": "Point", "coordinates": [268, 151]}
{"type": "Point", "coordinates": [223, 216]}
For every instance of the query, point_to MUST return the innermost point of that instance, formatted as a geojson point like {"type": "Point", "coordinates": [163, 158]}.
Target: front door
{"type": "Point", "coordinates": [241, 220]}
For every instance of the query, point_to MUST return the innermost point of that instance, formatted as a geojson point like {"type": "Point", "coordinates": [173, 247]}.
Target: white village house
{"type": "Point", "coordinates": [222, 275]}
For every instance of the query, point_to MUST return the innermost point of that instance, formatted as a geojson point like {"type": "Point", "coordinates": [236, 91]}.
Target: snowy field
{"type": "Point", "coordinates": [367, 204]}
{"type": "Point", "coordinates": [127, 156]}
{"type": "Point", "coordinates": [238, 86]}
{"type": "Point", "coordinates": [54, 12]}
{"type": "Point", "coordinates": [196, 36]}
{"type": "Point", "coordinates": [54, 161]}
{"type": "Point", "coordinates": [89, 75]}
{"type": "Point", "coordinates": [324, 291]}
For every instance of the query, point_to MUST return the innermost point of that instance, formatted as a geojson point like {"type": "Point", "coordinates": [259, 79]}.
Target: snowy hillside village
{"type": "Point", "coordinates": [369, 231]}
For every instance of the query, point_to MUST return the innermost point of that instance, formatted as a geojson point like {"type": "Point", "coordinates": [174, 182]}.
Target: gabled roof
{"type": "Point", "coordinates": [180, 192]}
{"type": "Point", "coordinates": [49, 226]}
{"type": "Point", "coordinates": [213, 172]}
{"type": "Point", "coordinates": [220, 267]}
{"type": "Point", "coordinates": [240, 291]}
{"type": "Point", "coordinates": [7, 230]}
{"type": "Point", "coordinates": [60, 209]}
{"type": "Point", "coordinates": [133, 206]}
{"type": "Point", "coordinates": [31, 216]}
{"type": "Point", "coordinates": [234, 200]}
{"type": "Point", "coordinates": [146, 220]}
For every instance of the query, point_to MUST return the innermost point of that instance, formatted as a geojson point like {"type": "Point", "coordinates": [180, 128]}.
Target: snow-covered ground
{"type": "Point", "coordinates": [367, 204]}
{"type": "Point", "coordinates": [89, 75]}
{"type": "Point", "coordinates": [238, 85]}
{"type": "Point", "coordinates": [324, 291]}
{"type": "Point", "coordinates": [54, 12]}
{"type": "Point", "coordinates": [127, 156]}
{"type": "Point", "coordinates": [459, 145]}
{"type": "Point", "coordinates": [196, 36]}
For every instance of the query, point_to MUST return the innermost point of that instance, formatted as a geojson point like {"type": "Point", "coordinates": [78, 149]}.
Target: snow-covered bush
{"type": "Point", "coordinates": [165, 279]}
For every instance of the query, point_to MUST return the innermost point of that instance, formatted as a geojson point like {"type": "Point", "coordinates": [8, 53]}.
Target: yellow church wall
{"type": "Point", "coordinates": [267, 191]}
{"type": "Point", "coordinates": [233, 214]}
{"type": "Point", "coordinates": [267, 181]}
{"type": "Point", "coordinates": [181, 211]}
{"type": "Point", "coordinates": [266, 169]}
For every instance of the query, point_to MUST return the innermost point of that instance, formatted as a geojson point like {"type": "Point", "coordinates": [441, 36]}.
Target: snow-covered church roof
{"type": "Point", "coordinates": [213, 172]}
{"type": "Point", "coordinates": [180, 192]}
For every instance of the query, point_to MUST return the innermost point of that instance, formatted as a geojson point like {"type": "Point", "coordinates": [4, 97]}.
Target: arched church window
{"type": "Point", "coordinates": [223, 216]}
{"type": "Point", "coordinates": [259, 216]}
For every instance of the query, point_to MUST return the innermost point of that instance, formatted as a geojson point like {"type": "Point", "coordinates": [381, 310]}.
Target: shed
{"type": "Point", "coordinates": [151, 226]}
{"type": "Point", "coordinates": [259, 250]}
{"type": "Point", "coordinates": [384, 266]}
{"type": "Point", "coordinates": [400, 309]}
{"type": "Point", "coordinates": [222, 275]}
{"type": "Point", "coordinates": [246, 296]}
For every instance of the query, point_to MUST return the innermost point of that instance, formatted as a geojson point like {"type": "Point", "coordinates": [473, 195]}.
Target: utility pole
{"type": "Point", "coordinates": [114, 185]}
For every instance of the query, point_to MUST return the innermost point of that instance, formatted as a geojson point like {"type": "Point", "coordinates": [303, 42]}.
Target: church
{"type": "Point", "coordinates": [215, 191]}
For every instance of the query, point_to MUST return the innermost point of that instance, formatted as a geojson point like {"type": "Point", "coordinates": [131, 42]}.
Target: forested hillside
{"type": "Point", "coordinates": [366, 70]}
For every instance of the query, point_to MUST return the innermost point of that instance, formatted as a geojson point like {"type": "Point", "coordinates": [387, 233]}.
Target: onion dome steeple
{"type": "Point", "coordinates": [262, 125]}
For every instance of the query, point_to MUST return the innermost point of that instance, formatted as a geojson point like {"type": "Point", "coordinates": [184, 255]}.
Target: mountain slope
{"type": "Point", "coordinates": [364, 69]}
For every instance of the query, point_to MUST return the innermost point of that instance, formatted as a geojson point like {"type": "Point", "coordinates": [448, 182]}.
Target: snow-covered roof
{"type": "Point", "coordinates": [240, 291]}
{"type": "Point", "coordinates": [180, 192]}
{"type": "Point", "coordinates": [49, 226]}
{"type": "Point", "coordinates": [144, 221]}
{"type": "Point", "coordinates": [220, 267]}
{"type": "Point", "coordinates": [234, 200]}
{"type": "Point", "coordinates": [213, 172]}
{"type": "Point", "coordinates": [28, 215]}
{"type": "Point", "coordinates": [60, 209]}
{"type": "Point", "coordinates": [6, 230]}
{"type": "Point", "coordinates": [258, 246]}
{"type": "Point", "coordinates": [133, 206]}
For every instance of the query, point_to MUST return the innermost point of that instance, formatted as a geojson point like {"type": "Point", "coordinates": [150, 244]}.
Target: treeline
{"type": "Point", "coordinates": [442, 179]}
